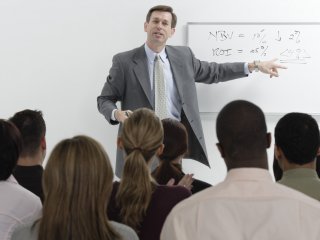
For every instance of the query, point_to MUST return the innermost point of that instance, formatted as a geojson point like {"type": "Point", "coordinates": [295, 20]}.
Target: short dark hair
{"type": "Point", "coordinates": [297, 135]}
{"type": "Point", "coordinates": [32, 128]}
{"type": "Point", "coordinates": [163, 8]}
{"type": "Point", "coordinates": [241, 130]}
{"type": "Point", "coordinates": [175, 139]}
{"type": "Point", "coordinates": [10, 148]}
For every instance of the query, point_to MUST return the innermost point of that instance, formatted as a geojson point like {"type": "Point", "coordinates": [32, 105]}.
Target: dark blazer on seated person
{"type": "Point", "coordinates": [163, 199]}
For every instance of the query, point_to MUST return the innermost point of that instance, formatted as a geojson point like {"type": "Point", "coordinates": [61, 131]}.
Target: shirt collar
{"type": "Point", "coordinates": [12, 179]}
{"type": "Point", "coordinates": [151, 54]}
{"type": "Point", "coordinates": [300, 173]}
{"type": "Point", "coordinates": [248, 174]}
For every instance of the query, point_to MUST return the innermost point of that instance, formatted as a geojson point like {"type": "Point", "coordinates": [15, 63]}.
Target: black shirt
{"type": "Point", "coordinates": [30, 177]}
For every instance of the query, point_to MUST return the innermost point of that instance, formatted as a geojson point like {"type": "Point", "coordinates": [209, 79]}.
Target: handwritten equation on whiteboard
{"type": "Point", "coordinates": [295, 44]}
{"type": "Point", "coordinates": [286, 44]}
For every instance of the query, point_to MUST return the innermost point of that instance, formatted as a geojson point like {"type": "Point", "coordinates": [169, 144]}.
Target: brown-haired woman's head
{"type": "Point", "coordinates": [77, 182]}
{"type": "Point", "coordinates": [142, 133]}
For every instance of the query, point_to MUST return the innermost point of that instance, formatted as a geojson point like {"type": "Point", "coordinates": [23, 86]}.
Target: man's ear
{"type": "Point", "coordinates": [268, 140]}
{"type": "Point", "coordinates": [220, 148]}
{"type": "Point", "coordinates": [278, 153]}
{"type": "Point", "coordinates": [119, 143]}
{"type": "Point", "coordinates": [173, 30]}
{"type": "Point", "coordinates": [43, 143]}
{"type": "Point", "coordinates": [145, 25]}
{"type": "Point", "coordinates": [160, 150]}
{"type": "Point", "coordinates": [43, 147]}
{"type": "Point", "coordinates": [318, 153]}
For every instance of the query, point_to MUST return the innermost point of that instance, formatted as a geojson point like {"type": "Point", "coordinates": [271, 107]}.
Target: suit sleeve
{"type": "Point", "coordinates": [212, 72]}
{"type": "Point", "coordinates": [112, 90]}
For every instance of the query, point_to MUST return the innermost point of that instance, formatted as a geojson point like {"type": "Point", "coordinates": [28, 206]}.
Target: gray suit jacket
{"type": "Point", "coordinates": [129, 83]}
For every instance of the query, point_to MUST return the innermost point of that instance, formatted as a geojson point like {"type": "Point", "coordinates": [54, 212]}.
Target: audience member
{"type": "Point", "coordinates": [17, 205]}
{"type": "Point", "coordinates": [137, 200]}
{"type": "Point", "coordinates": [77, 182]}
{"type": "Point", "coordinates": [297, 142]}
{"type": "Point", "coordinates": [175, 142]}
{"type": "Point", "coordinates": [28, 171]}
{"type": "Point", "coordinates": [247, 204]}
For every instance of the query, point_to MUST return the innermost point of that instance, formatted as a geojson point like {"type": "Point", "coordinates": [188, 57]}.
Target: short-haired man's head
{"type": "Point", "coordinates": [242, 131]}
{"type": "Point", "coordinates": [163, 8]}
{"type": "Point", "coordinates": [297, 135]}
{"type": "Point", "coordinates": [32, 127]}
{"type": "Point", "coordinates": [175, 139]}
{"type": "Point", "coordinates": [10, 148]}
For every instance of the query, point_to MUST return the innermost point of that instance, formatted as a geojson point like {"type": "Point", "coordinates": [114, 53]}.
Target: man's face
{"type": "Point", "coordinates": [158, 29]}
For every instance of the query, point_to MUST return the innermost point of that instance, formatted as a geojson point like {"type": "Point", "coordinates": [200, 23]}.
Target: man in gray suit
{"type": "Point", "coordinates": [130, 80]}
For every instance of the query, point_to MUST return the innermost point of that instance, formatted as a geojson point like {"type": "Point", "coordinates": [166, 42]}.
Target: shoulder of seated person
{"type": "Point", "coordinates": [173, 189]}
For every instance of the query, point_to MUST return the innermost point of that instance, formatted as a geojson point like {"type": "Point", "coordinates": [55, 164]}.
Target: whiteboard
{"type": "Point", "coordinates": [295, 45]}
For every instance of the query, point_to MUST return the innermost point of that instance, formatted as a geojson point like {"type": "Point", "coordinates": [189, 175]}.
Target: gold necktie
{"type": "Point", "coordinates": [161, 109]}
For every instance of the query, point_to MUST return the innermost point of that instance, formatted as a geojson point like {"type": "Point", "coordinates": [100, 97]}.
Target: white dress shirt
{"type": "Point", "coordinates": [172, 95]}
{"type": "Point", "coordinates": [17, 207]}
{"type": "Point", "coordinates": [248, 205]}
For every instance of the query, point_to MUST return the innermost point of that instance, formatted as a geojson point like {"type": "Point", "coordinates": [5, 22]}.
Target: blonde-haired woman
{"type": "Point", "coordinates": [77, 182]}
{"type": "Point", "coordinates": [137, 200]}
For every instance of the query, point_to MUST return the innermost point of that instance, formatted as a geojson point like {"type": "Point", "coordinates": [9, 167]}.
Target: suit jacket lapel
{"type": "Point", "coordinates": [142, 73]}
{"type": "Point", "coordinates": [176, 68]}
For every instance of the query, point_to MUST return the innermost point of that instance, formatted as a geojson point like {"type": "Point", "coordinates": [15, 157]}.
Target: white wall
{"type": "Point", "coordinates": [55, 56]}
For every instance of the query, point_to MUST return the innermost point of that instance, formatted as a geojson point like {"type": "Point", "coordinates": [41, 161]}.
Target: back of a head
{"type": "Point", "coordinates": [141, 137]}
{"type": "Point", "coordinates": [175, 142]}
{"type": "Point", "coordinates": [32, 127]}
{"type": "Point", "coordinates": [10, 148]}
{"type": "Point", "coordinates": [77, 182]}
{"type": "Point", "coordinates": [175, 139]}
{"type": "Point", "coordinates": [242, 133]}
{"type": "Point", "coordinates": [142, 133]}
{"type": "Point", "coordinates": [297, 135]}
